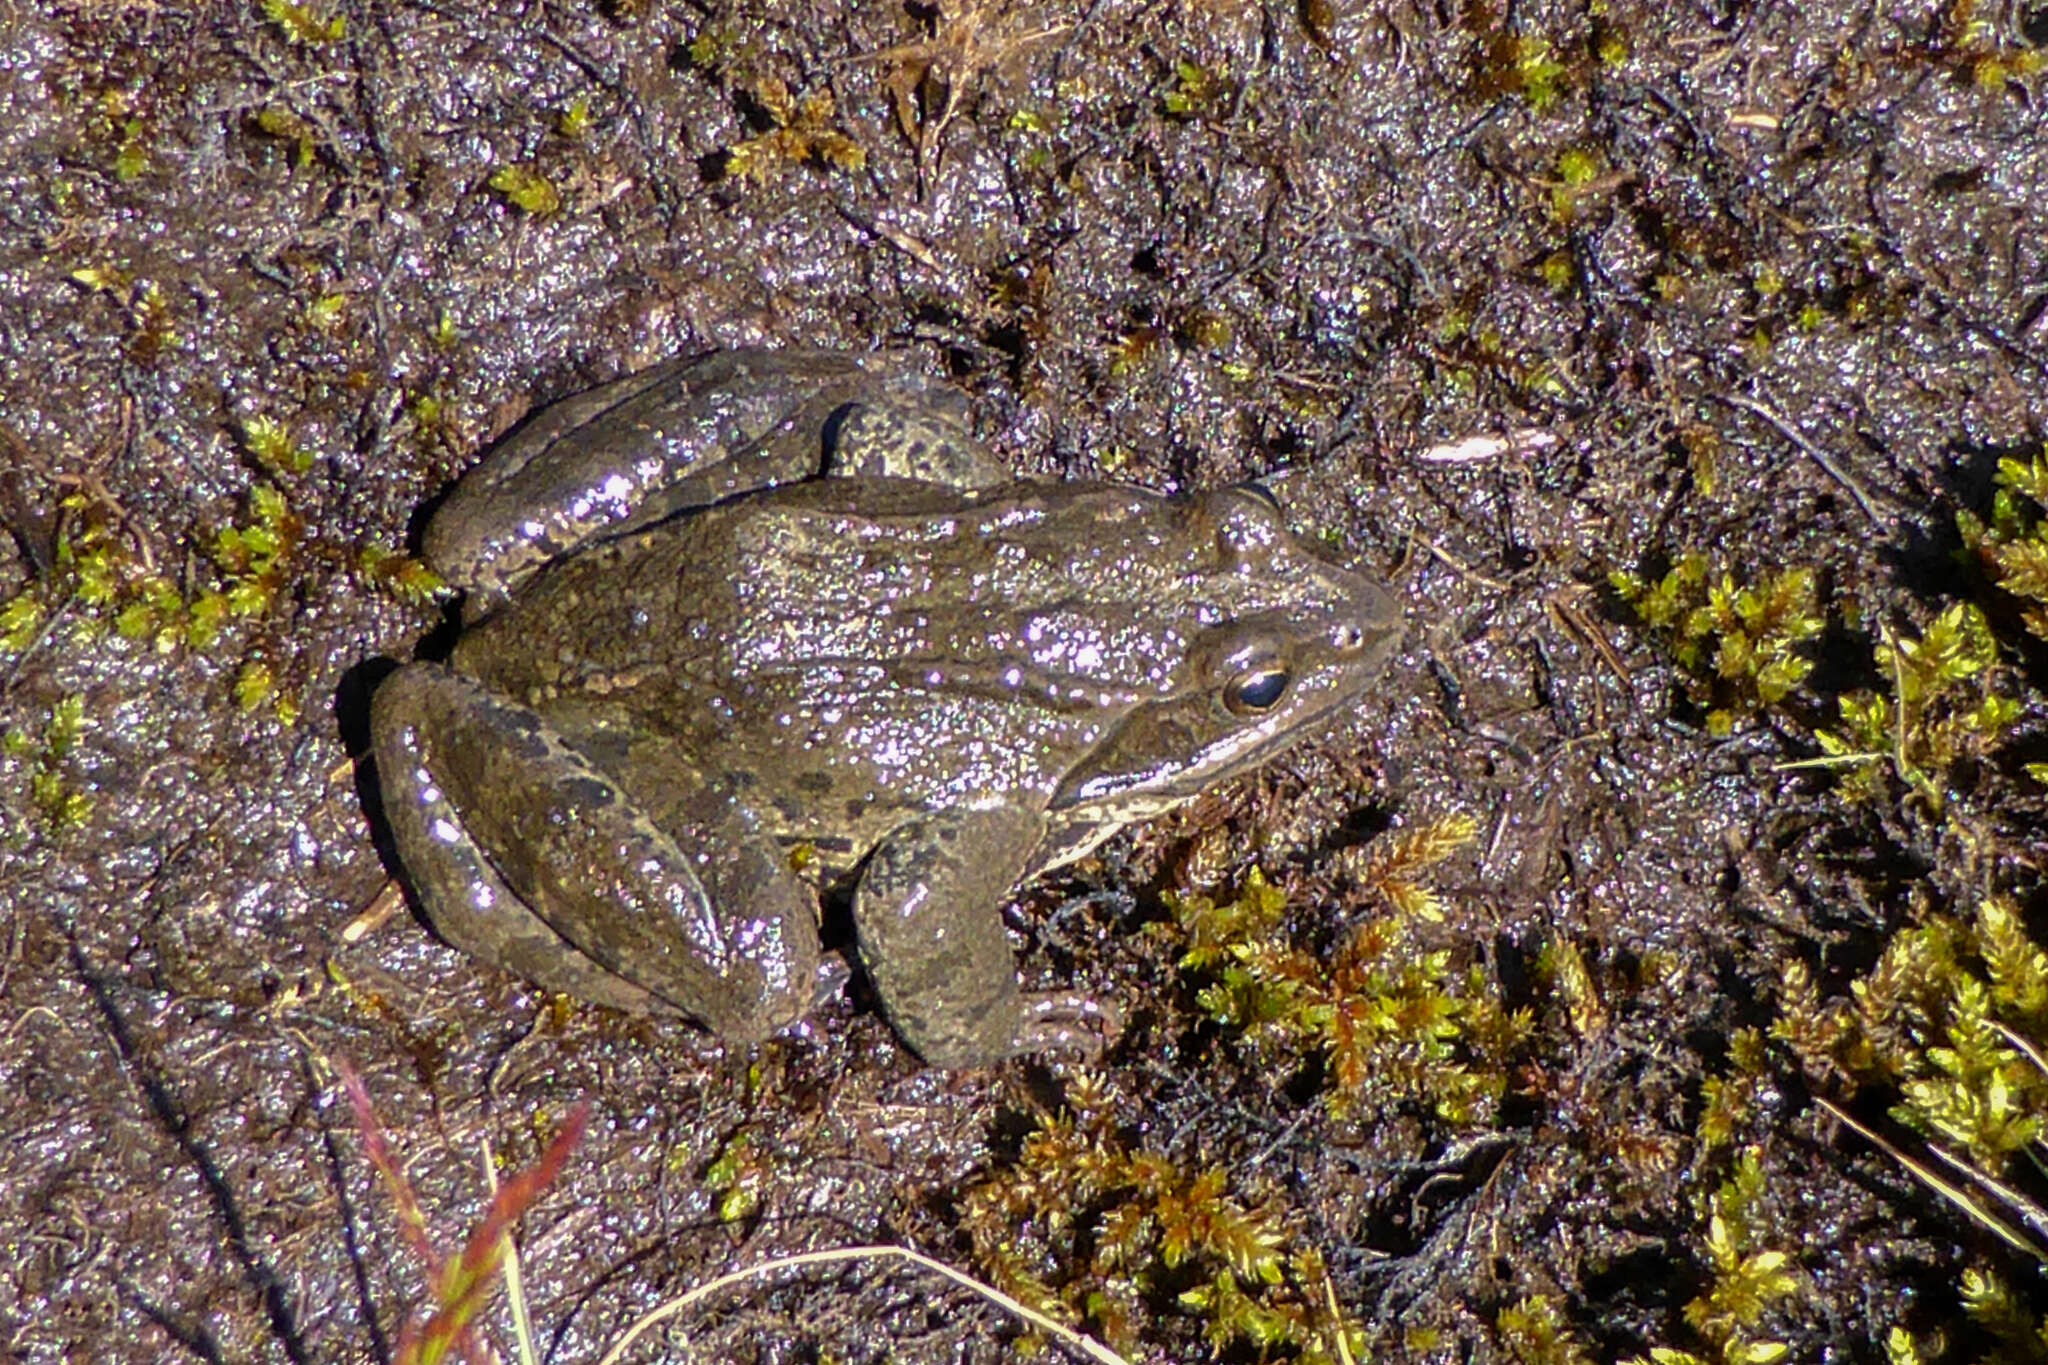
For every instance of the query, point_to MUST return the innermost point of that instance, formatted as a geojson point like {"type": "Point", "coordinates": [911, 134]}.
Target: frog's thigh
{"type": "Point", "coordinates": [889, 437]}
{"type": "Point", "coordinates": [928, 913]}
{"type": "Point", "coordinates": [526, 855]}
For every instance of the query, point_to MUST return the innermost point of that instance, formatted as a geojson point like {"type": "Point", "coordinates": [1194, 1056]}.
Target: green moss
{"type": "Point", "coordinates": [278, 121]}
{"type": "Point", "coordinates": [527, 189]}
{"type": "Point", "coordinates": [1577, 169]}
{"type": "Point", "coordinates": [131, 158]}
{"type": "Point", "coordinates": [2010, 545]}
{"type": "Point", "coordinates": [1538, 75]}
{"type": "Point", "coordinates": [1197, 92]}
{"type": "Point", "coordinates": [104, 585]}
{"type": "Point", "coordinates": [42, 757]}
{"type": "Point", "coordinates": [1940, 709]}
{"type": "Point", "coordinates": [269, 442]}
{"type": "Point", "coordinates": [1738, 646]}
{"type": "Point", "coordinates": [1939, 1026]}
{"type": "Point", "coordinates": [1748, 1284]}
{"type": "Point", "coordinates": [21, 621]}
{"type": "Point", "coordinates": [575, 121]}
{"type": "Point", "coordinates": [327, 312]}
{"type": "Point", "coordinates": [737, 1175]}
{"type": "Point", "coordinates": [1086, 1226]}
{"type": "Point", "coordinates": [712, 48]}
{"type": "Point", "coordinates": [1537, 1332]}
{"type": "Point", "coordinates": [402, 576]}
{"type": "Point", "coordinates": [1729, 1102]}
{"type": "Point", "coordinates": [1609, 44]}
{"type": "Point", "coordinates": [303, 23]}
{"type": "Point", "coordinates": [1389, 1020]}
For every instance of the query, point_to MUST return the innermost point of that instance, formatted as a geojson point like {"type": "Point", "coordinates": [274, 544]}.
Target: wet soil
{"type": "Point", "coordinates": [1500, 300]}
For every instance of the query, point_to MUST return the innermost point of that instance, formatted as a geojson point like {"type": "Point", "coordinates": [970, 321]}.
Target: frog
{"type": "Point", "coordinates": [757, 632]}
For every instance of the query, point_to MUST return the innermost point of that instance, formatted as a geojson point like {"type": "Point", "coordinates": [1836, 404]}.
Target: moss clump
{"type": "Point", "coordinates": [738, 1175]}
{"type": "Point", "coordinates": [1084, 1226]}
{"type": "Point", "coordinates": [303, 24]}
{"type": "Point", "coordinates": [2011, 544]}
{"type": "Point", "coordinates": [1939, 711]}
{"type": "Point", "coordinates": [51, 794]}
{"type": "Point", "coordinates": [527, 190]}
{"type": "Point", "coordinates": [1577, 170]}
{"type": "Point", "coordinates": [1537, 1332]}
{"type": "Point", "coordinates": [1942, 1024]}
{"type": "Point", "coordinates": [803, 132]}
{"type": "Point", "coordinates": [1387, 1018]}
{"type": "Point", "coordinates": [1199, 93]}
{"type": "Point", "coordinates": [1738, 646]}
{"type": "Point", "coordinates": [279, 122]}
{"type": "Point", "coordinates": [402, 576]}
{"type": "Point", "coordinates": [270, 443]}
{"type": "Point", "coordinates": [1728, 1101]}
{"type": "Point", "coordinates": [1745, 1283]}
{"type": "Point", "coordinates": [2016, 1333]}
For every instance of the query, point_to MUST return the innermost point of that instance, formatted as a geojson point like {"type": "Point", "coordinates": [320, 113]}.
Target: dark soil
{"type": "Point", "coordinates": [1761, 281]}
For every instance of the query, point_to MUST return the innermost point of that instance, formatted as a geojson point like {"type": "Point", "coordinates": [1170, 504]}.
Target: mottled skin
{"type": "Point", "coordinates": [779, 599]}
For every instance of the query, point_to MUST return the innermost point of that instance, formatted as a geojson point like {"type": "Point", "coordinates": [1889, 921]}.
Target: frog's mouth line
{"type": "Point", "coordinates": [1208, 745]}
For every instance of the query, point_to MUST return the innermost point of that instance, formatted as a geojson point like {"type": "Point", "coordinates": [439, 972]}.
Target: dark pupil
{"type": "Point", "coordinates": [1261, 690]}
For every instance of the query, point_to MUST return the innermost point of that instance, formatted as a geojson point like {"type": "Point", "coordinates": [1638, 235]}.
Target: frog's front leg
{"type": "Point", "coordinates": [527, 854]}
{"type": "Point", "coordinates": [686, 434]}
{"type": "Point", "coordinates": [928, 916]}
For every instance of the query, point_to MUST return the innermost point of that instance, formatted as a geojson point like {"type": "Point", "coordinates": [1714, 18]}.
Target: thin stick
{"type": "Point", "coordinates": [1088, 1346]}
{"type": "Point", "coordinates": [1813, 452]}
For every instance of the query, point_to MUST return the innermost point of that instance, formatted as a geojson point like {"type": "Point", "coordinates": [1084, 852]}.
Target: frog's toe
{"type": "Point", "coordinates": [1059, 1020]}
{"type": "Point", "coordinates": [834, 971]}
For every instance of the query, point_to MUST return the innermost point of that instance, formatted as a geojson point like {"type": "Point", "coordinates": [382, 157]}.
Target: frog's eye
{"type": "Point", "coordinates": [1256, 691]}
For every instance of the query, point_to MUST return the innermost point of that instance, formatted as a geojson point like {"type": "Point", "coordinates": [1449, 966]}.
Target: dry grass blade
{"type": "Point", "coordinates": [515, 1288]}
{"type": "Point", "coordinates": [1955, 1194]}
{"type": "Point", "coordinates": [1813, 452]}
{"type": "Point", "coordinates": [1088, 1346]}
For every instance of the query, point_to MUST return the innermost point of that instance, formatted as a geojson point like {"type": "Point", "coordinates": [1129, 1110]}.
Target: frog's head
{"type": "Point", "coordinates": [1276, 638]}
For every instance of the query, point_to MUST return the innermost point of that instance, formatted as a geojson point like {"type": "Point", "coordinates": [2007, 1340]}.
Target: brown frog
{"type": "Point", "coordinates": [752, 626]}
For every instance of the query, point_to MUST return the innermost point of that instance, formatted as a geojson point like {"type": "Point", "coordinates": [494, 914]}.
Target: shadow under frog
{"type": "Point", "coordinates": [732, 606]}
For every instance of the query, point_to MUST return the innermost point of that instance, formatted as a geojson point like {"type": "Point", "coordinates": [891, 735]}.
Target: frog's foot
{"type": "Point", "coordinates": [872, 440]}
{"type": "Point", "coordinates": [834, 971]}
{"type": "Point", "coordinates": [1057, 1020]}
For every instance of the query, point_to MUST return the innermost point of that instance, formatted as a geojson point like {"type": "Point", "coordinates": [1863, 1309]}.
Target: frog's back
{"type": "Point", "coordinates": [848, 649]}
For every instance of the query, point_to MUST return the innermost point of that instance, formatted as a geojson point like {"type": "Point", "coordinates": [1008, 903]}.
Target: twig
{"type": "Point", "coordinates": [1088, 1346]}
{"type": "Point", "coordinates": [1457, 565]}
{"type": "Point", "coordinates": [1813, 452]}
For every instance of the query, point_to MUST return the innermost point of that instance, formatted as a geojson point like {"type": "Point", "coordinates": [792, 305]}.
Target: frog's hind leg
{"type": "Point", "coordinates": [526, 854]}
{"type": "Point", "coordinates": [680, 436]}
